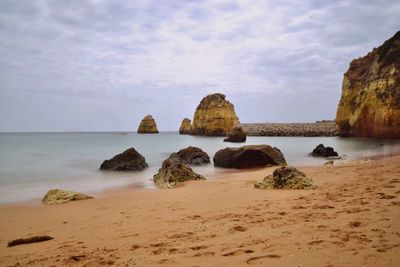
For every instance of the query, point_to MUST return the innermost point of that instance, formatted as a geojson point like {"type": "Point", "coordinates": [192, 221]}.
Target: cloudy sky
{"type": "Point", "coordinates": [103, 65]}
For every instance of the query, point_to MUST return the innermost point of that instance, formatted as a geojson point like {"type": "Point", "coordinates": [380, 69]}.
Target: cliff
{"type": "Point", "coordinates": [186, 126]}
{"type": "Point", "coordinates": [370, 101]}
{"type": "Point", "coordinates": [148, 125]}
{"type": "Point", "coordinates": [214, 116]}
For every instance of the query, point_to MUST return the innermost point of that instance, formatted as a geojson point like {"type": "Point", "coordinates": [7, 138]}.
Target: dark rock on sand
{"type": "Point", "coordinates": [174, 171]}
{"type": "Point", "coordinates": [322, 151]}
{"type": "Point", "coordinates": [193, 156]}
{"type": "Point", "coordinates": [57, 196]}
{"type": "Point", "coordinates": [129, 160]}
{"type": "Point", "coordinates": [248, 157]}
{"type": "Point", "coordinates": [286, 178]}
{"type": "Point", "coordinates": [29, 240]}
{"type": "Point", "coordinates": [236, 136]}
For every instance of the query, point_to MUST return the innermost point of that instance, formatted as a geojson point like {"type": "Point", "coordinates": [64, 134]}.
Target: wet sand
{"type": "Point", "coordinates": [351, 220]}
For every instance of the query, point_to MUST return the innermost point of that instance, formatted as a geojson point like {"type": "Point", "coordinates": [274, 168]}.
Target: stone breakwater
{"type": "Point", "coordinates": [291, 129]}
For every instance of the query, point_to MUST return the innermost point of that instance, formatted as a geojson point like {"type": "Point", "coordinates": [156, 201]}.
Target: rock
{"type": "Point", "coordinates": [174, 171]}
{"type": "Point", "coordinates": [186, 126]}
{"type": "Point", "coordinates": [248, 157]}
{"type": "Point", "coordinates": [370, 101]}
{"type": "Point", "coordinates": [329, 162]}
{"type": "Point", "coordinates": [322, 151]}
{"type": "Point", "coordinates": [148, 125]}
{"type": "Point", "coordinates": [57, 196]}
{"type": "Point", "coordinates": [129, 160]}
{"type": "Point", "coordinates": [237, 136]}
{"type": "Point", "coordinates": [214, 116]}
{"type": "Point", "coordinates": [29, 240]}
{"type": "Point", "coordinates": [193, 156]}
{"type": "Point", "coordinates": [286, 178]}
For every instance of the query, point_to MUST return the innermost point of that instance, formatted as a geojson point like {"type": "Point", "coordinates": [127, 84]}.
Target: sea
{"type": "Point", "coordinates": [33, 163]}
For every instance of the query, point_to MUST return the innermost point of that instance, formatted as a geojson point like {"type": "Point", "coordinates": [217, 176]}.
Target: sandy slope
{"type": "Point", "coordinates": [352, 220]}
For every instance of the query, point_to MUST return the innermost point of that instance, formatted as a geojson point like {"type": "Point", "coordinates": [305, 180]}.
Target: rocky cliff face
{"type": "Point", "coordinates": [148, 125]}
{"type": "Point", "coordinates": [370, 102]}
{"type": "Point", "coordinates": [186, 126]}
{"type": "Point", "coordinates": [214, 116]}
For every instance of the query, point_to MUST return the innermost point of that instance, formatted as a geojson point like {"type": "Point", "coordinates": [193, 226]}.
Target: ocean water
{"type": "Point", "coordinates": [33, 163]}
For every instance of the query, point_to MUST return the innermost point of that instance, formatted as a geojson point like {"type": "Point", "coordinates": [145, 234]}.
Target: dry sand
{"type": "Point", "coordinates": [353, 219]}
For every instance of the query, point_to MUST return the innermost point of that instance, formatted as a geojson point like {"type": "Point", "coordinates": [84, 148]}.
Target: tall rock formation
{"type": "Point", "coordinates": [148, 125]}
{"type": "Point", "coordinates": [214, 116]}
{"type": "Point", "coordinates": [186, 126]}
{"type": "Point", "coordinates": [370, 102]}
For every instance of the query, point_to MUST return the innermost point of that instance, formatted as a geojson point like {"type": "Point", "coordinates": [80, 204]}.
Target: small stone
{"type": "Point", "coordinates": [334, 158]}
{"type": "Point", "coordinates": [29, 240]}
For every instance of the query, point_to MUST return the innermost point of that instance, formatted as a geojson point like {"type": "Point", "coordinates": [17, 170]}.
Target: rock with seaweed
{"type": "Point", "coordinates": [173, 172]}
{"type": "Point", "coordinates": [57, 196]}
{"type": "Point", "coordinates": [286, 178]}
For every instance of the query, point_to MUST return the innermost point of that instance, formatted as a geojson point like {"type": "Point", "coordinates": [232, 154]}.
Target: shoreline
{"type": "Point", "coordinates": [37, 202]}
{"type": "Point", "coordinates": [354, 213]}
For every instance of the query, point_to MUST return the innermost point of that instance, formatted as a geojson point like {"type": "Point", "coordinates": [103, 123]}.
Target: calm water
{"type": "Point", "coordinates": [33, 163]}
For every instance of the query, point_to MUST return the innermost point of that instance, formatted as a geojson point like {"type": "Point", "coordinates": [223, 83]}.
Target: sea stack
{"type": "Point", "coordinates": [370, 101]}
{"type": "Point", "coordinates": [214, 116]}
{"type": "Point", "coordinates": [186, 126]}
{"type": "Point", "coordinates": [148, 125]}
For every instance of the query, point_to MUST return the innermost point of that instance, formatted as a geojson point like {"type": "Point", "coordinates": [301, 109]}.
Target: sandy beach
{"type": "Point", "coordinates": [351, 220]}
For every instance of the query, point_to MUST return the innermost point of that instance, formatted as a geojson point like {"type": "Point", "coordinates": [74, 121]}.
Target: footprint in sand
{"type": "Point", "coordinates": [198, 247]}
{"type": "Point", "coordinates": [238, 228]}
{"type": "Point", "coordinates": [204, 254]}
{"type": "Point", "coordinates": [238, 252]}
{"type": "Point", "coordinates": [135, 247]}
{"type": "Point", "coordinates": [354, 224]}
{"type": "Point", "coordinates": [316, 242]}
{"type": "Point", "coordinates": [165, 261]}
{"type": "Point", "coordinates": [262, 259]}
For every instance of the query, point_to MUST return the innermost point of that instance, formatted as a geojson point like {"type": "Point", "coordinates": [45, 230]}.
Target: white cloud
{"type": "Point", "coordinates": [111, 51]}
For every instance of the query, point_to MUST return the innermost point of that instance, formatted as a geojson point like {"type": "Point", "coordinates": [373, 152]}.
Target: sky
{"type": "Point", "coordinates": [99, 65]}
